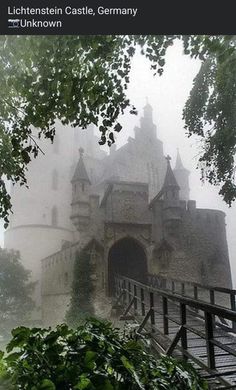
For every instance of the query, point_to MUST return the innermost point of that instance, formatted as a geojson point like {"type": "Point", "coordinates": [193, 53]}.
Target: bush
{"type": "Point", "coordinates": [81, 303]}
{"type": "Point", "coordinates": [94, 356]}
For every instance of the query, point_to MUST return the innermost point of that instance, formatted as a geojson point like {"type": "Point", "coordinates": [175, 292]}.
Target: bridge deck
{"type": "Point", "coordinates": [197, 347]}
{"type": "Point", "coordinates": [201, 332]}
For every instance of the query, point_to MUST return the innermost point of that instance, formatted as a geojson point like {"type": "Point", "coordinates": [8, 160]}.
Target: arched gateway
{"type": "Point", "coordinates": [126, 257]}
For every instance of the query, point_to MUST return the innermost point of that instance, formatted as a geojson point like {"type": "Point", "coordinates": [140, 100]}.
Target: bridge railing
{"type": "Point", "coordinates": [219, 296]}
{"type": "Point", "coordinates": [157, 308]}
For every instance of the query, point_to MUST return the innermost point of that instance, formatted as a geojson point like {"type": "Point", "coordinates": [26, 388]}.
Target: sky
{"type": "Point", "coordinates": [167, 95]}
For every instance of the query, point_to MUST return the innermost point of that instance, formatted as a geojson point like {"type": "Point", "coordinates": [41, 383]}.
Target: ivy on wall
{"type": "Point", "coordinates": [81, 304]}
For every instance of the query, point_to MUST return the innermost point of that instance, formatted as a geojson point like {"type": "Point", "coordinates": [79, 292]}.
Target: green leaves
{"type": "Point", "coordinates": [15, 298]}
{"type": "Point", "coordinates": [46, 384]}
{"type": "Point", "coordinates": [82, 80]}
{"type": "Point", "coordinates": [84, 383]}
{"type": "Point", "coordinates": [94, 356]}
{"type": "Point", "coordinates": [79, 80]}
{"type": "Point", "coordinates": [209, 112]}
{"type": "Point", "coordinates": [81, 304]}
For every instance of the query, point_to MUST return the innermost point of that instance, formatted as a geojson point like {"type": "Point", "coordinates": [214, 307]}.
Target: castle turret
{"type": "Point", "coordinates": [170, 187]}
{"type": "Point", "coordinates": [147, 128]}
{"type": "Point", "coordinates": [80, 206]}
{"type": "Point", "coordinates": [182, 177]}
{"type": "Point", "coordinates": [168, 199]}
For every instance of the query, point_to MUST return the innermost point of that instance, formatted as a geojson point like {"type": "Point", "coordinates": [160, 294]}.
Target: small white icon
{"type": "Point", "coordinates": [13, 23]}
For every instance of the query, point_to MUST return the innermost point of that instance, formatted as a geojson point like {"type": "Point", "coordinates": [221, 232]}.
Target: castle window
{"type": "Point", "coordinates": [82, 186]}
{"type": "Point", "coordinates": [54, 216]}
{"type": "Point", "coordinates": [55, 180]}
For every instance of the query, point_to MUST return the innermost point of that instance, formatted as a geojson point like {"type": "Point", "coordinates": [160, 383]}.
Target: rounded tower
{"type": "Point", "coordinates": [40, 222]}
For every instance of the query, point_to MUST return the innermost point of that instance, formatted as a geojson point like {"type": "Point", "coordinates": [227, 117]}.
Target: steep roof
{"type": "Point", "coordinates": [170, 180]}
{"type": "Point", "coordinates": [178, 164]}
{"type": "Point", "coordinates": [80, 170]}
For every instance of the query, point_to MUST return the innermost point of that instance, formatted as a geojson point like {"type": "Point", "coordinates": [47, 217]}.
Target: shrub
{"type": "Point", "coordinates": [94, 356]}
{"type": "Point", "coordinates": [81, 303]}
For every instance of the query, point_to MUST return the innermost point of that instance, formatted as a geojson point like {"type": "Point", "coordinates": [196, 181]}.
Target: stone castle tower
{"type": "Point", "coordinates": [127, 205]}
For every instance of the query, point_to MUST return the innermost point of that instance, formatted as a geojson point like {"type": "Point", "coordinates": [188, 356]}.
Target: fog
{"type": "Point", "coordinates": [167, 95]}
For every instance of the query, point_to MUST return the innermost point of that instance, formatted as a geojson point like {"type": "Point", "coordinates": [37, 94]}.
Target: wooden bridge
{"type": "Point", "coordinates": [188, 319]}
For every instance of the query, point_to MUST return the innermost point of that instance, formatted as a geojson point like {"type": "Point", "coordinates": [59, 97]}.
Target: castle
{"type": "Point", "coordinates": [128, 209]}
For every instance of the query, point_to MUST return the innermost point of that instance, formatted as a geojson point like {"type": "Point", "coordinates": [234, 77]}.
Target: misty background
{"type": "Point", "coordinates": [167, 95]}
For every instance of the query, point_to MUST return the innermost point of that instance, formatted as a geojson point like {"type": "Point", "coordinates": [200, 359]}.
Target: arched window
{"type": "Point", "coordinates": [54, 216]}
{"type": "Point", "coordinates": [55, 180]}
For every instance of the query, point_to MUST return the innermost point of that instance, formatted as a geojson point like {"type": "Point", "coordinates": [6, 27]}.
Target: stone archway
{"type": "Point", "coordinates": [126, 257]}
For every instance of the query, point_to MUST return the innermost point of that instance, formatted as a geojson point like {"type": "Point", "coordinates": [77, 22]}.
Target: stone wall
{"type": "Point", "coordinates": [194, 248]}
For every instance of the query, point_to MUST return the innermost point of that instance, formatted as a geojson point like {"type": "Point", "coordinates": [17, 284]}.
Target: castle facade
{"type": "Point", "coordinates": [128, 209]}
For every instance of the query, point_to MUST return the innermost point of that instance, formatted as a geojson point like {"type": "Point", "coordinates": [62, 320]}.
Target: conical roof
{"type": "Point", "coordinates": [170, 180]}
{"type": "Point", "coordinates": [178, 164]}
{"type": "Point", "coordinates": [80, 170]}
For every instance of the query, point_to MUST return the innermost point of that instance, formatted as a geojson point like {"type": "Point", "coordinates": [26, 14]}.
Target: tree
{"type": "Point", "coordinates": [81, 305]}
{"type": "Point", "coordinates": [15, 292]}
{"type": "Point", "coordinates": [83, 79]}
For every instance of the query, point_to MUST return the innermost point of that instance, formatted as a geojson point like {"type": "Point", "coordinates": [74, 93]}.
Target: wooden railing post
{"type": "Point", "coordinates": [173, 286]}
{"type": "Point", "coordinates": [233, 307]}
{"type": "Point", "coordinates": [165, 315]}
{"type": "Point", "coordinates": [195, 295]}
{"type": "Point", "coordinates": [152, 313]}
{"type": "Point", "coordinates": [212, 301]}
{"type": "Point", "coordinates": [129, 289]}
{"type": "Point", "coordinates": [182, 288]}
{"type": "Point", "coordinates": [135, 298]}
{"type": "Point", "coordinates": [125, 293]}
{"type": "Point", "coordinates": [183, 320]}
{"type": "Point", "coordinates": [209, 338]}
{"type": "Point", "coordinates": [142, 301]}
{"type": "Point", "coordinates": [120, 286]}
{"type": "Point", "coordinates": [117, 286]}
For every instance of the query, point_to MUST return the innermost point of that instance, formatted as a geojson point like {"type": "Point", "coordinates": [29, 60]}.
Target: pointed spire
{"type": "Point", "coordinates": [178, 164]}
{"type": "Point", "coordinates": [80, 171]}
{"type": "Point", "coordinates": [170, 180]}
{"type": "Point", "coordinates": [147, 110]}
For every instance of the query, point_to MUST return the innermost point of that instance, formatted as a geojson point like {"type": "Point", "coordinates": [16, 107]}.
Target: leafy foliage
{"type": "Point", "coordinates": [210, 111]}
{"type": "Point", "coordinates": [15, 290]}
{"type": "Point", "coordinates": [81, 305]}
{"type": "Point", "coordinates": [94, 356]}
{"type": "Point", "coordinates": [83, 79]}
{"type": "Point", "coordinates": [78, 79]}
